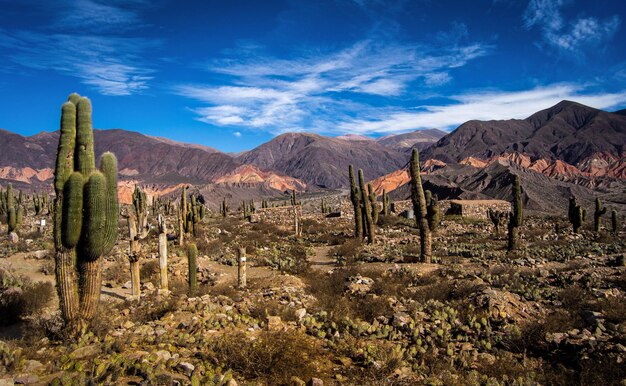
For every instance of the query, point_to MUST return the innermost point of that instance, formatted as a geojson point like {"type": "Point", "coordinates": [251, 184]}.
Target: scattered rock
{"type": "Point", "coordinates": [186, 368]}
{"type": "Point", "coordinates": [14, 238]}
{"type": "Point", "coordinates": [85, 352]}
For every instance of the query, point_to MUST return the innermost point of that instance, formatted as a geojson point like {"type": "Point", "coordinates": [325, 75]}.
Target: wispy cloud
{"type": "Point", "coordinates": [482, 105]}
{"type": "Point", "coordinates": [82, 40]}
{"type": "Point", "coordinates": [110, 64]}
{"type": "Point", "coordinates": [99, 16]}
{"type": "Point", "coordinates": [568, 36]}
{"type": "Point", "coordinates": [305, 92]}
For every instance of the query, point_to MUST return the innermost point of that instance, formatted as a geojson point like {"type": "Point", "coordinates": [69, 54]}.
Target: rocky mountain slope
{"type": "Point", "coordinates": [323, 161]}
{"type": "Point", "coordinates": [567, 131]}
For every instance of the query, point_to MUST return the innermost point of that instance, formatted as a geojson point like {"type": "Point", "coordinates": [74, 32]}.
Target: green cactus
{"type": "Point", "coordinates": [432, 211]}
{"type": "Point", "coordinates": [516, 215]}
{"type": "Point", "coordinates": [575, 214]}
{"type": "Point", "coordinates": [12, 220]}
{"type": "Point", "coordinates": [138, 229]}
{"type": "Point", "coordinates": [294, 202]}
{"type": "Point", "coordinates": [385, 203]}
{"type": "Point", "coordinates": [614, 222]}
{"type": "Point", "coordinates": [373, 203]}
{"type": "Point", "coordinates": [85, 214]}
{"type": "Point", "coordinates": [369, 226]}
{"type": "Point", "coordinates": [192, 255]}
{"type": "Point", "coordinates": [355, 197]}
{"type": "Point", "coordinates": [224, 208]}
{"type": "Point", "coordinates": [598, 212]}
{"type": "Point", "coordinates": [419, 206]}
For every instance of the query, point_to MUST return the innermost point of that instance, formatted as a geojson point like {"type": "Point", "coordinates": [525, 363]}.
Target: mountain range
{"type": "Point", "coordinates": [570, 143]}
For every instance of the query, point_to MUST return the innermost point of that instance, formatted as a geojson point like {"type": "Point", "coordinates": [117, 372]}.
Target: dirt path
{"type": "Point", "coordinates": [322, 260]}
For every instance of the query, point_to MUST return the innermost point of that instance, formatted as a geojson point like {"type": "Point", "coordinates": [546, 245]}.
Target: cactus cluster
{"type": "Point", "coordinates": [516, 215]}
{"type": "Point", "coordinates": [138, 229]}
{"type": "Point", "coordinates": [294, 201]}
{"type": "Point", "coordinates": [12, 209]}
{"type": "Point", "coordinates": [195, 213]}
{"type": "Point", "coordinates": [325, 208]}
{"type": "Point", "coordinates": [575, 214]}
{"type": "Point", "coordinates": [40, 202]}
{"type": "Point", "coordinates": [420, 208]}
{"type": "Point", "coordinates": [85, 214]}
{"type": "Point", "coordinates": [247, 208]}
{"type": "Point", "coordinates": [361, 197]}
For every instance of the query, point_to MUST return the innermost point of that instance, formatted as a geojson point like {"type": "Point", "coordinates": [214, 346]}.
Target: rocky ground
{"type": "Point", "coordinates": [326, 309]}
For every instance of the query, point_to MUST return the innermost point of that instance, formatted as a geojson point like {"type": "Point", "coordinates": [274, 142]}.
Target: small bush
{"type": "Point", "coordinates": [19, 297]}
{"type": "Point", "coordinates": [150, 271]}
{"type": "Point", "coordinates": [273, 357]}
{"type": "Point", "coordinates": [348, 252]}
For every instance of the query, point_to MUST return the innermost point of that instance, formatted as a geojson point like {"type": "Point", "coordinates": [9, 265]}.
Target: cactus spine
{"type": "Point", "coordinates": [575, 214]}
{"type": "Point", "coordinates": [598, 212]}
{"type": "Point", "coordinates": [192, 255]}
{"type": "Point", "coordinates": [420, 209]}
{"type": "Point", "coordinates": [162, 251]}
{"type": "Point", "coordinates": [85, 214]}
{"type": "Point", "coordinates": [355, 197]}
{"type": "Point", "coordinates": [515, 217]}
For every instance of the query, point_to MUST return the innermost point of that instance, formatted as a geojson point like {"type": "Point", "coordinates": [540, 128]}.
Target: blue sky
{"type": "Point", "coordinates": [233, 74]}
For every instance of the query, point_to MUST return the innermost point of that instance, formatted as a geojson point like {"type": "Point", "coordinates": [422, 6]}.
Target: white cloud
{"type": "Point", "coordinates": [568, 36]}
{"type": "Point", "coordinates": [237, 134]}
{"type": "Point", "coordinates": [84, 49]}
{"type": "Point", "coordinates": [481, 105]}
{"type": "Point", "coordinates": [109, 64]}
{"type": "Point", "coordinates": [279, 95]}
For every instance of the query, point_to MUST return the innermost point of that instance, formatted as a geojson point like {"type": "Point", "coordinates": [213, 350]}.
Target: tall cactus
{"type": "Point", "coordinates": [373, 203]}
{"type": "Point", "coordinates": [192, 255]}
{"type": "Point", "coordinates": [385, 203]}
{"type": "Point", "coordinates": [368, 220]}
{"type": "Point", "coordinates": [355, 197]}
{"type": "Point", "coordinates": [614, 222]}
{"type": "Point", "coordinates": [575, 214]}
{"type": "Point", "coordinates": [420, 209]}
{"type": "Point", "coordinates": [140, 207]}
{"type": "Point", "coordinates": [85, 214]}
{"type": "Point", "coordinates": [432, 211]}
{"type": "Point", "coordinates": [598, 212]}
{"type": "Point", "coordinates": [516, 215]}
{"type": "Point", "coordinates": [162, 252]}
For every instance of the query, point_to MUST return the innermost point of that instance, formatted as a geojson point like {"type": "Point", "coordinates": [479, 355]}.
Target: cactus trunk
{"type": "Point", "coordinates": [515, 217]}
{"type": "Point", "coordinates": [355, 197]}
{"type": "Point", "coordinates": [192, 254]}
{"type": "Point", "coordinates": [368, 220]}
{"type": "Point", "coordinates": [419, 207]}
{"type": "Point", "coordinates": [163, 253]}
{"type": "Point", "coordinates": [241, 268]}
